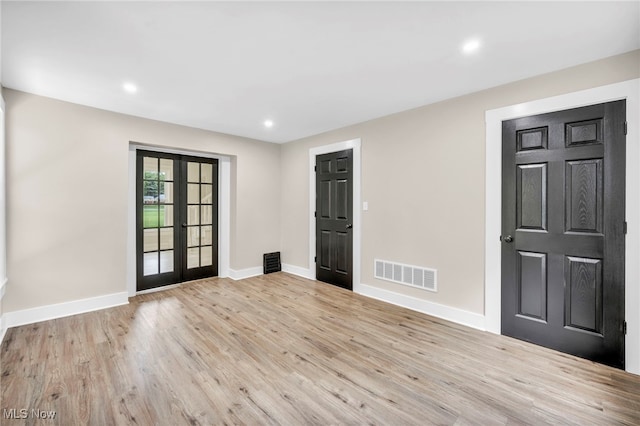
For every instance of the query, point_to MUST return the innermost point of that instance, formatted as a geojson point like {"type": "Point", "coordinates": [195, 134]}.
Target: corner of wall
{"type": "Point", "coordinates": [241, 274]}
{"type": "Point", "coordinates": [299, 271]}
{"type": "Point", "coordinates": [3, 322]}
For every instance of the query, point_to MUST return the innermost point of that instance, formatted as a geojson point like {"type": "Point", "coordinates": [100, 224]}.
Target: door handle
{"type": "Point", "coordinates": [184, 225]}
{"type": "Point", "coordinates": [349, 226]}
{"type": "Point", "coordinates": [507, 239]}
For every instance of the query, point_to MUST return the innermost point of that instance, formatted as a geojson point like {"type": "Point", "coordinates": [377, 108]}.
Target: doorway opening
{"type": "Point", "coordinates": [628, 90]}
{"type": "Point", "coordinates": [563, 239]}
{"type": "Point", "coordinates": [355, 146]}
{"type": "Point", "coordinates": [334, 218]}
{"type": "Point", "coordinates": [176, 218]}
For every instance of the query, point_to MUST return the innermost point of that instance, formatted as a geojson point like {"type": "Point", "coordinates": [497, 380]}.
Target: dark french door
{"type": "Point", "coordinates": [177, 218]}
{"type": "Point", "coordinates": [563, 231]}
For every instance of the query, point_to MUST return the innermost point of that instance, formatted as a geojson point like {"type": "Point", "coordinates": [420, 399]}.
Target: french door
{"type": "Point", "coordinates": [177, 218]}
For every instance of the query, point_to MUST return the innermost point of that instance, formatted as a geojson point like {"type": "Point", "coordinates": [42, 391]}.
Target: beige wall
{"type": "Point", "coordinates": [423, 176]}
{"type": "Point", "coordinates": [67, 196]}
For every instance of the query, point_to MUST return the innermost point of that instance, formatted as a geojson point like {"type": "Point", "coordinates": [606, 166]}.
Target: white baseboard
{"type": "Point", "coordinates": [297, 270]}
{"type": "Point", "coordinates": [59, 310]}
{"type": "Point", "coordinates": [448, 313]}
{"type": "Point", "coordinates": [241, 274]}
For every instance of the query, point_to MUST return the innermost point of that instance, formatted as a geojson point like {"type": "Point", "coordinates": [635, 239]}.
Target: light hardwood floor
{"type": "Point", "coordinates": [279, 349]}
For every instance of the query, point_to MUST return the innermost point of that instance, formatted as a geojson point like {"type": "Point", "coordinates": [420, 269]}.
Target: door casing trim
{"type": "Point", "coordinates": [355, 145]}
{"type": "Point", "coordinates": [224, 209]}
{"type": "Point", "coordinates": [629, 90]}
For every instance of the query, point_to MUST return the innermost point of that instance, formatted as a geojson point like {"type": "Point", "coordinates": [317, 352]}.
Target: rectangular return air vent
{"type": "Point", "coordinates": [271, 262]}
{"type": "Point", "coordinates": [414, 276]}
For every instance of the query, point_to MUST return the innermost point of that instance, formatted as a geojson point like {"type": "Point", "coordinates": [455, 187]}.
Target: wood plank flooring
{"type": "Point", "coordinates": [279, 349]}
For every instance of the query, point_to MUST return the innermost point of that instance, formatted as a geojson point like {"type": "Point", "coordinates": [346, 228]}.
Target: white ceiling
{"type": "Point", "coordinates": [309, 67]}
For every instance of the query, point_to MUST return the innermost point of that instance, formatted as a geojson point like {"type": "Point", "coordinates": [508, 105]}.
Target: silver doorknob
{"type": "Point", "coordinates": [507, 239]}
{"type": "Point", "coordinates": [349, 226]}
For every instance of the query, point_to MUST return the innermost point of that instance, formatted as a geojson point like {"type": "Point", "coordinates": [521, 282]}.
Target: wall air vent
{"type": "Point", "coordinates": [271, 262]}
{"type": "Point", "coordinates": [414, 276]}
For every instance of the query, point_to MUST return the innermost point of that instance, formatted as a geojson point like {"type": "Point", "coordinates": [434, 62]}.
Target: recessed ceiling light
{"type": "Point", "coordinates": [268, 123]}
{"type": "Point", "coordinates": [130, 87]}
{"type": "Point", "coordinates": [471, 45]}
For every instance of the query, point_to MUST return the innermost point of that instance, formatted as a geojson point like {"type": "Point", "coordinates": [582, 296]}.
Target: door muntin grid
{"type": "Point", "coordinates": [200, 209]}
{"type": "Point", "coordinates": [158, 242]}
{"type": "Point", "coordinates": [176, 218]}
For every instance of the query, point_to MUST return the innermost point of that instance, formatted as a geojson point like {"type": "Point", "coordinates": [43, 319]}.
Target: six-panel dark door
{"type": "Point", "coordinates": [563, 192]}
{"type": "Point", "coordinates": [177, 218]}
{"type": "Point", "coordinates": [334, 218]}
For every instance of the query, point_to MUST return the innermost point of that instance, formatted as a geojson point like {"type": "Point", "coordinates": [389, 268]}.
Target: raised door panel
{"type": "Point", "coordinates": [584, 196]}
{"type": "Point", "coordinates": [342, 199]}
{"type": "Point", "coordinates": [532, 139]}
{"type": "Point", "coordinates": [583, 294]}
{"type": "Point", "coordinates": [531, 195]}
{"type": "Point", "coordinates": [587, 132]}
{"type": "Point", "coordinates": [326, 210]}
{"type": "Point", "coordinates": [532, 285]}
{"type": "Point", "coordinates": [342, 252]}
{"type": "Point", "coordinates": [325, 166]}
{"type": "Point", "coordinates": [325, 260]}
{"type": "Point", "coordinates": [342, 164]}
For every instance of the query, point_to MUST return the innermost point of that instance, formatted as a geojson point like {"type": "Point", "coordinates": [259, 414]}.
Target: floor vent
{"type": "Point", "coordinates": [271, 262]}
{"type": "Point", "coordinates": [414, 276]}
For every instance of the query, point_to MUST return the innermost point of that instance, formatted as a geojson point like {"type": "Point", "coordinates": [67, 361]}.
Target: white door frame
{"type": "Point", "coordinates": [355, 145]}
{"type": "Point", "coordinates": [224, 209]}
{"type": "Point", "coordinates": [629, 90]}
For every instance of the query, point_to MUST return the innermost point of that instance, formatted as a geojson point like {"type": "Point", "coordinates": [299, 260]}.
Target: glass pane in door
{"type": "Point", "coordinates": [193, 255]}
{"type": "Point", "coordinates": [193, 215]}
{"type": "Point", "coordinates": [206, 255]}
{"type": "Point", "coordinates": [166, 261]}
{"type": "Point", "coordinates": [157, 215]}
{"type": "Point", "coordinates": [200, 211]}
{"type": "Point", "coordinates": [166, 169]}
{"type": "Point", "coordinates": [207, 173]}
{"type": "Point", "coordinates": [150, 261]}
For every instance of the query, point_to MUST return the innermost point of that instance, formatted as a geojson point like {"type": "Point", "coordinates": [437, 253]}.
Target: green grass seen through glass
{"type": "Point", "coordinates": [152, 217]}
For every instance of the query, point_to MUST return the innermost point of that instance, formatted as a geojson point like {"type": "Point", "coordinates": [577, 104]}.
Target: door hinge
{"type": "Point", "coordinates": [625, 127]}
{"type": "Point", "coordinates": [624, 328]}
{"type": "Point", "coordinates": [315, 214]}
{"type": "Point", "coordinates": [315, 259]}
{"type": "Point", "coordinates": [315, 168]}
{"type": "Point", "coordinates": [624, 228]}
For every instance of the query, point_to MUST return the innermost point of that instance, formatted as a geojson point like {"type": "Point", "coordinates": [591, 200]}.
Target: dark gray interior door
{"type": "Point", "coordinates": [563, 194]}
{"type": "Point", "coordinates": [334, 218]}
